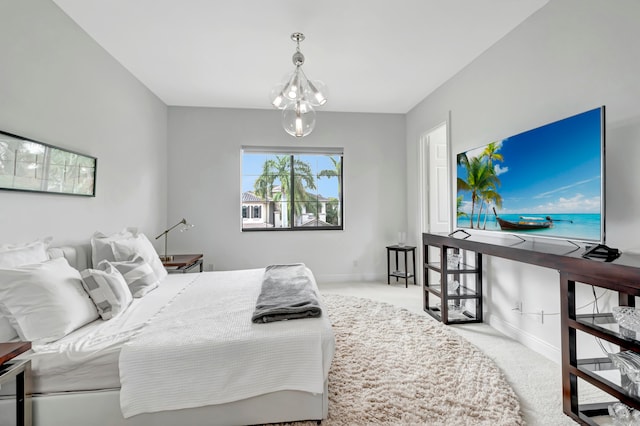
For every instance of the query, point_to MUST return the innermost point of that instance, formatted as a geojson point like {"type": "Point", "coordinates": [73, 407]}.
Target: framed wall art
{"type": "Point", "coordinates": [29, 165]}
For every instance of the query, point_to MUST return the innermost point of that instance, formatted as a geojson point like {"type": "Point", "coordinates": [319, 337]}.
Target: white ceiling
{"type": "Point", "coordinates": [373, 55]}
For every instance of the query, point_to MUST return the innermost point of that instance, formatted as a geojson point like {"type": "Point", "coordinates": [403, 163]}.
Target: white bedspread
{"type": "Point", "coordinates": [203, 349]}
{"type": "Point", "coordinates": [87, 359]}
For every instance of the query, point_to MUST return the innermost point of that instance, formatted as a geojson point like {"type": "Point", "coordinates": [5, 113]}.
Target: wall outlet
{"type": "Point", "coordinates": [210, 267]}
{"type": "Point", "coordinates": [517, 307]}
{"type": "Point", "coordinates": [540, 316]}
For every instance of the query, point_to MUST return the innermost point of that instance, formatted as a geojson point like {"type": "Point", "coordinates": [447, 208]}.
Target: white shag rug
{"type": "Point", "coordinates": [393, 367]}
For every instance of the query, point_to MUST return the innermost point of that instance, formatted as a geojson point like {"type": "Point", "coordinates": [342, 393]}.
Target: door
{"type": "Point", "coordinates": [434, 168]}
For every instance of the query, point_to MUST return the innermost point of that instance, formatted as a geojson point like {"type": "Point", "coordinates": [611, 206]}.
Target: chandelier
{"type": "Point", "coordinates": [297, 96]}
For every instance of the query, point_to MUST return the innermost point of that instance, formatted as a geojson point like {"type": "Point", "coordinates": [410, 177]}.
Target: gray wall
{"type": "Point", "coordinates": [204, 187]}
{"type": "Point", "coordinates": [571, 56]}
{"type": "Point", "coordinates": [58, 86]}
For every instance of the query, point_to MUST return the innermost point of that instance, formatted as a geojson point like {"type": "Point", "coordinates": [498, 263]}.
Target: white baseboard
{"type": "Point", "coordinates": [529, 340]}
{"type": "Point", "coordinates": [343, 278]}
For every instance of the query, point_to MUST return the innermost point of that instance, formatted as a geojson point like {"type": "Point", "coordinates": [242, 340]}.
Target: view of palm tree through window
{"type": "Point", "coordinates": [291, 191]}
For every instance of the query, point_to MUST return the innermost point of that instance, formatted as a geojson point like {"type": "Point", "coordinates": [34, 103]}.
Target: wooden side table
{"type": "Point", "coordinates": [20, 371]}
{"type": "Point", "coordinates": [183, 263]}
{"type": "Point", "coordinates": [398, 273]}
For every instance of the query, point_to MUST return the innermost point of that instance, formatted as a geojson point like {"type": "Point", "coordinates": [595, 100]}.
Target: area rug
{"type": "Point", "coordinates": [395, 367]}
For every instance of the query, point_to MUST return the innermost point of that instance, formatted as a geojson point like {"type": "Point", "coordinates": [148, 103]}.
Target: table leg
{"type": "Point", "coordinates": [413, 252]}
{"type": "Point", "coordinates": [406, 272]}
{"type": "Point", "coordinates": [396, 263]}
{"type": "Point", "coordinates": [388, 267]}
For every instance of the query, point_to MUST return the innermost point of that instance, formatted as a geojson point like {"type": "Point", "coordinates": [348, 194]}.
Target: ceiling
{"type": "Point", "coordinates": [374, 55]}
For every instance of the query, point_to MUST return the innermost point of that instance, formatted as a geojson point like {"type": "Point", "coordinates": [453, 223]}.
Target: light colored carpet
{"type": "Point", "coordinates": [535, 379]}
{"type": "Point", "coordinates": [394, 367]}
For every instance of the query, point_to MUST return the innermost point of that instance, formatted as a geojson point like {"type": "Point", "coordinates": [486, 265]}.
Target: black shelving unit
{"type": "Point", "coordinates": [621, 275]}
{"type": "Point", "coordinates": [452, 308]}
{"type": "Point", "coordinates": [599, 372]}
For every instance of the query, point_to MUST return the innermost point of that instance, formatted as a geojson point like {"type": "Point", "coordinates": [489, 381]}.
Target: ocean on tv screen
{"type": "Point", "coordinates": [585, 226]}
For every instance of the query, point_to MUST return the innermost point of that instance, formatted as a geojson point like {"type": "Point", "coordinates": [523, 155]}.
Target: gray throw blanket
{"type": "Point", "coordinates": [286, 294]}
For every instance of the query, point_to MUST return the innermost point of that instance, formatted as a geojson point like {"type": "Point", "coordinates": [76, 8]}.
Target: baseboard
{"type": "Point", "coordinates": [529, 340]}
{"type": "Point", "coordinates": [343, 278]}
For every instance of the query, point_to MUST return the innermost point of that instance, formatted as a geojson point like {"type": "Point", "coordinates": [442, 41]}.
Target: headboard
{"type": "Point", "coordinates": [78, 256]}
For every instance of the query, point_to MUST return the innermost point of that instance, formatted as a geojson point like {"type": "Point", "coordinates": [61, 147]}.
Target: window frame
{"type": "Point", "coordinates": [294, 152]}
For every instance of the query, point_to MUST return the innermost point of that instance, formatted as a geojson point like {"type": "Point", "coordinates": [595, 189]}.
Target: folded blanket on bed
{"type": "Point", "coordinates": [286, 294]}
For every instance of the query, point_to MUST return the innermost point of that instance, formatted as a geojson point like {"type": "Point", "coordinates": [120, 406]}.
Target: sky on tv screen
{"type": "Point", "coordinates": [552, 170]}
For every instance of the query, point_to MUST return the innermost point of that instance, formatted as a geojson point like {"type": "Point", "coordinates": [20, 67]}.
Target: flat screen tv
{"type": "Point", "coordinates": [545, 182]}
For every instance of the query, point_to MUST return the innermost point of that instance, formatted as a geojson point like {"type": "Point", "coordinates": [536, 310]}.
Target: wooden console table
{"type": "Point", "coordinates": [621, 276]}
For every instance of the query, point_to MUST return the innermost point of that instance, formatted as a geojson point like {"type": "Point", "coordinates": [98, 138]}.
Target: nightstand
{"type": "Point", "coordinates": [20, 371]}
{"type": "Point", "coordinates": [397, 272]}
{"type": "Point", "coordinates": [183, 263]}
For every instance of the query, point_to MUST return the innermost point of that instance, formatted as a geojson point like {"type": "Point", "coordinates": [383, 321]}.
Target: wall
{"type": "Point", "coordinates": [204, 187]}
{"type": "Point", "coordinates": [570, 56]}
{"type": "Point", "coordinates": [58, 86]}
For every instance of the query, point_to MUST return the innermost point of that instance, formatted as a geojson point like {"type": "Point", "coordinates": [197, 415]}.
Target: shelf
{"type": "Point", "coordinates": [455, 317]}
{"type": "Point", "coordinates": [588, 412]}
{"type": "Point", "coordinates": [462, 269]}
{"type": "Point", "coordinates": [461, 293]}
{"type": "Point", "coordinates": [400, 274]}
{"type": "Point", "coordinates": [606, 327]}
{"type": "Point", "coordinates": [602, 373]}
{"type": "Point", "coordinates": [469, 277]}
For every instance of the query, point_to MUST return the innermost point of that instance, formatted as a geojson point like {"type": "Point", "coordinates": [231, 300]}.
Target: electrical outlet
{"type": "Point", "coordinates": [210, 267]}
{"type": "Point", "coordinates": [540, 316]}
{"type": "Point", "coordinates": [517, 307]}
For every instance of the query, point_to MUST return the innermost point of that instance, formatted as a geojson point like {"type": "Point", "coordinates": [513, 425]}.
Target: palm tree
{"type": "Point", "coordinates": [480, 179]}
{"type": "Point", "coordinates": [263, 186]}
{"type": "Point", "coordinates": [459, 212]}
{"type": "Point", "coordinates": [337, 173]}
{"type": "Point", "coordinates": [280, 169]}
{"type": "Point", "coordinates": [491, 153]}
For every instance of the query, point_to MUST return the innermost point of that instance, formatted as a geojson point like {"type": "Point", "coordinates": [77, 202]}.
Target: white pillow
{"type": "Point", "coordinates": [12, 255]}
{"type": "Point", "coordinates": [136, 272]}
{"type": "Point", "coordinates": [108, 290]}
{"type": "Point", "coordinates": [46, 300]}
{"type": "Point", "coordinates": [7, 332]}
{"type": "Point", "coordinates": [24, 254]}
{"type": "Point", "coordinates": [139, 245]}
{"type": "Point", "coordinates": [101, 245]}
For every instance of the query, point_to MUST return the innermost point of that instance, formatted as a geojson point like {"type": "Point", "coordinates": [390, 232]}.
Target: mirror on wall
{"type": "Point", "coordinates": [28, 165]}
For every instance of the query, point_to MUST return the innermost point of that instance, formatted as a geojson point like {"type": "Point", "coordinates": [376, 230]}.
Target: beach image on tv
{"type": "Point", "coordinates": [545, 182]}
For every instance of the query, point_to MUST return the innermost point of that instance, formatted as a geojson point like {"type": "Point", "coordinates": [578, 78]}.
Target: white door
{"type": "Point", "coordinates": [434, 165]}
{"type": "Point", "coordinates": [434, 184]}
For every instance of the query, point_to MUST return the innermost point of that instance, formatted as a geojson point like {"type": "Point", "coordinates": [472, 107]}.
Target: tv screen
{"type": "Point", "coordinates": [545, 182]}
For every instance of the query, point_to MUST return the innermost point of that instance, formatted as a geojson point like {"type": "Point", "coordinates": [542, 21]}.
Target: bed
{"type": "Point", "coordinates": [213, 365]}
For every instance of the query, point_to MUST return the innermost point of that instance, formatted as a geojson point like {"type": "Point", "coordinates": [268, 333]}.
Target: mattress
{"type": "Point", "coordinates": [87, 359]}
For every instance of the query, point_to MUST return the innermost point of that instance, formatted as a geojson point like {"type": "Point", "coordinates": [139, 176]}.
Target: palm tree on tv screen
{"type": "Point", "coordinates": [482, 182]}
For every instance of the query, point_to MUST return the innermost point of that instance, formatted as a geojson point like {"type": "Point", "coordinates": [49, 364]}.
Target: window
{"type": "Point", "coordinates": [256, 211]}
{"type": "Point", "coordinates": [291, 189]}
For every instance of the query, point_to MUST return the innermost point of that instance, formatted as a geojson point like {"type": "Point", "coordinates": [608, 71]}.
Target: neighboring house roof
{"type": "Point", "coordinates": [250, 197]}
{"type": "Point", "coordinates": [316, 222]}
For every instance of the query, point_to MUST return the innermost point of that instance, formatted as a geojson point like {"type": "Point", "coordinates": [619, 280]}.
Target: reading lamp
{"type": "Point", "coordinates": [186, 226]}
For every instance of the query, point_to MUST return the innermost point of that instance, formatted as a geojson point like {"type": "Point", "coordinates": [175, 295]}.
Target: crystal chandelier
{"type": "Point", "coordinates": [297, 96]}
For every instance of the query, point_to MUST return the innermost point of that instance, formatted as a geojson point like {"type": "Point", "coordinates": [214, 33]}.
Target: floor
{"type": "Point", "coordinates": [535, 379]}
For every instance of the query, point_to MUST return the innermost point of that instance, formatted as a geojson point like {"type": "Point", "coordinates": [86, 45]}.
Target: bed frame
{"type": "Point", "coordinates": [102, 407]}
